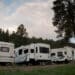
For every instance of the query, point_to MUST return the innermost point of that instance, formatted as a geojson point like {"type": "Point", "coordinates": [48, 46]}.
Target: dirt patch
{"type": "Point", "coordinates": [28, 68]}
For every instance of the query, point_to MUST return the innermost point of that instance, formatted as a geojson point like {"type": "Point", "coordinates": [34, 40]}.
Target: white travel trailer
{"type": "Point", "coordinates": [33, 53]}
{"type": "Point", "coordinates": [65, 54]}
{"type": "Point", "coordinates": [6, 52]}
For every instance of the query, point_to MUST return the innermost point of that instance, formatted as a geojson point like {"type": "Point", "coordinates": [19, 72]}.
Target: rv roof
{"type": "Point", "coordinates": [40, 43]}
{"type": "Point", "coordinates": [21, 47]}
{"type": "Point", "coordinates": [6, 43]}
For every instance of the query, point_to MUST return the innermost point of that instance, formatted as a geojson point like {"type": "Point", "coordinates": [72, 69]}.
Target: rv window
{"type": "Point", "coordinates": [72, 53]}
{"type": "Point", "coordinates": [44, 50]}
{"type": "Point", "coordinates": [26, 51]}
{"type": "Point", "coordinates": [20, 51]}
{"type": "Point", "coordinates": [52, 54]}
{"type": "Point", "coordinates": [65, 53]}
{"type": "Point", "coordinates": [36, 49]}
{"type": "Point", "coordinates": [32, 50]}
{"type": "Point", "coordinates": [60, 54]}
{"type": "Point", "coordinates": [4, 49]}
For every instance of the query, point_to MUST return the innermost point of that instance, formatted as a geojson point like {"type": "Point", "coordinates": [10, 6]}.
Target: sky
{"type": "Point", "coordinates": [36, 15]}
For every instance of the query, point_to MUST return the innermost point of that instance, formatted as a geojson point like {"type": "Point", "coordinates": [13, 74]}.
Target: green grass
{"type": "Point", "coordinates": [64, 70]}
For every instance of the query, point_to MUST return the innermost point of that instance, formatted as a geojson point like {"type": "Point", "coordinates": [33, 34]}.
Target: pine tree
{"type": "Point", "coordinates": [21, 31]}
{"type": "Point", "coordinates": [64, 18]}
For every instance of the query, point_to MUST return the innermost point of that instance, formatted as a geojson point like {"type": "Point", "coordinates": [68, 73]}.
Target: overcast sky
{"type": "Point", "coordinates": [36, 15]}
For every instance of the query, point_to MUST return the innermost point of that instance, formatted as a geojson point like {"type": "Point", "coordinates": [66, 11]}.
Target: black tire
{"type": "Point", "coordinates": [66, 61]}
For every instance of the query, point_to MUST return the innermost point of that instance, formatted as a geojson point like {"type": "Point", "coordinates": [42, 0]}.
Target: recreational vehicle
{"type": "Point", "coordinates": [65, 54]}
{"type": "Point", "coordinates": [33, 53]}
{"type": "Point", "coordinates": [6, 52]}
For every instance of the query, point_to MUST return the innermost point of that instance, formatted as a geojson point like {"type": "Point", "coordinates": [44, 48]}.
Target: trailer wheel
{"type": "Point", "coordinates": [32, 62]}
{"type": "Point", "coordinates": [66, 61]}
{"type": "Point", "coordinates": [3, 64]}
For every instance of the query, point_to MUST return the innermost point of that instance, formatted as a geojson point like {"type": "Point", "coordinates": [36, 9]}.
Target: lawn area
{"type": "Point", "coordinates": [60, 70]}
